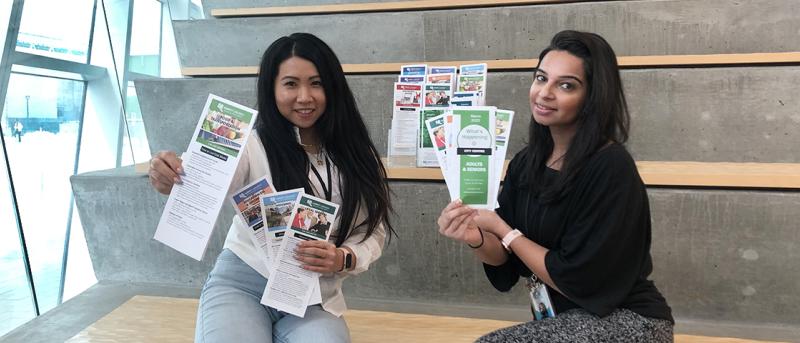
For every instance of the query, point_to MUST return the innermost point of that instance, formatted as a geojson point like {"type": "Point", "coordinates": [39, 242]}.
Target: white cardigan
{"type": "Point", "coordinates": [253, 165]}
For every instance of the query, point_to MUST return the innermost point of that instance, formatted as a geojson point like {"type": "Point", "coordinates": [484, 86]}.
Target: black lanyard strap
{"type": "Point", "coordinates": [327, 189]}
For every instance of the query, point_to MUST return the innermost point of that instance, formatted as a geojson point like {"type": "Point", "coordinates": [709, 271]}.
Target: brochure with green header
{"type": "Point", "coordinates": [426, 151]}
{"type": "Point", "coordinates": [472, 151]}
{"type": "Point", "coordinates": [502, 130]}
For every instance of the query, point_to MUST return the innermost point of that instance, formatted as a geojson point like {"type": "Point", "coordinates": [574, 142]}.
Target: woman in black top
{"type": "Point", "coordinates": [574, 218]}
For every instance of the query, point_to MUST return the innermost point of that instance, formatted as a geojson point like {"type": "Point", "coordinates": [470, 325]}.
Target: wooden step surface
{"type": "Point", "coordinates": [165, 319]}
{"type": "Point", "coordinates": [625, 62]}
{"type": "Point", "coordinates": [393, 6]}
{"type": "Point", "coordinates": [658, 173]}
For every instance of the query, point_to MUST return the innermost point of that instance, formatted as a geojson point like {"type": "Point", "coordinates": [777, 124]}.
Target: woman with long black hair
{"type": "Point", "coordinates": [309, 134]}
{"type": "Point", "coordinates": [574, 218]}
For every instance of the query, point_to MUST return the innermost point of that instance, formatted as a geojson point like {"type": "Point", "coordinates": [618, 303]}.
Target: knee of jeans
{"type": "Point", "coordinates": [318, 326]}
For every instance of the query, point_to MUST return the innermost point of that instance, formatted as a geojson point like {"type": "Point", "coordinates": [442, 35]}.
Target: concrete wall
{"type": "Point", "coordinates": [721, 255]}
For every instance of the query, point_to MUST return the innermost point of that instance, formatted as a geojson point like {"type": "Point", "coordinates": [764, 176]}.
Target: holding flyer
{"type": "Point", "coordinates": [290, 287]}
{"type": "Point", "coordinates": [246, 202]}
{"type": "Point", "coordinates": [300, 142]}
{"type": "Point", "coordinates": [209, 164]}
{"type": "Point", "coordinates": [470, 157]}
{"type": "Point", "coordinates": [278, 209]}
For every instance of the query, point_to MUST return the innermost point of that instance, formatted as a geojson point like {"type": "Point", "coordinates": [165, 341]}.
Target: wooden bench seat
{"type": "Point", "coordinates": [164, 319]}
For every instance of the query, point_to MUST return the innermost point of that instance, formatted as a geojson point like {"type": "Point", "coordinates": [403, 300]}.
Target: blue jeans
{"type": "Point", "coordinates": [231, 311]}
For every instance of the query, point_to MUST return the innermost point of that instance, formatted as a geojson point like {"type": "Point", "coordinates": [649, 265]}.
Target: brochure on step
{"type": "Point", "coordinates": [452, 129]}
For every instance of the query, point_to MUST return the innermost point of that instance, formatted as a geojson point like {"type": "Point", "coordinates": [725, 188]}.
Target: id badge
{"type": "Point", "coordinates": [540, 299]}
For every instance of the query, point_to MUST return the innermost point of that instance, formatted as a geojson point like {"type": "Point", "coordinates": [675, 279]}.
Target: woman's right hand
{"type": "Point", "coordinates": [456, 222]}
{"type": "Point", "coordinates": [165, 171]}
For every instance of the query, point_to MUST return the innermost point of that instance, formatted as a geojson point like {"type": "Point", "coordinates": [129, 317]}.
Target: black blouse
{"type": "Point", "coordinates": [598, 236]}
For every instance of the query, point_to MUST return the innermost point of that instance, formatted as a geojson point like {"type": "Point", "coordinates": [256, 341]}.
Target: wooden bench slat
{"type": "Point", "coordinates": [625, 62]}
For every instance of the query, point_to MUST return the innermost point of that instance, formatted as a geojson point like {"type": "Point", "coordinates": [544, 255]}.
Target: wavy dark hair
{"type": "Point", "coordinates": [341, 131]}
{"type": "Point", "coordinates": [603, 118]}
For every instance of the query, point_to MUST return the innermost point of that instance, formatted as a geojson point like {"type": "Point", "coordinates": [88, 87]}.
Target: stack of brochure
{"type": "Point", "coordinates": [424, 92]}
{"type": "Point", "coordinates": [471, 144]}
{"type": "Point", "coordinates": [278, 222]}
{"type": "Point", "coordinates": [441, 113]}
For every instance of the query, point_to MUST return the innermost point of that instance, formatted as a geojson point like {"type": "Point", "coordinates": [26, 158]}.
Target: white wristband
{"type": "Point", "coordinates": [510, 237]}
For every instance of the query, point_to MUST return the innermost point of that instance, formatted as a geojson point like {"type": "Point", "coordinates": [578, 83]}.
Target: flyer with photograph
{"type": "Point", "coordinates": [209, 164]}
{"type": "Point", "coordinates": [278, 210]}
{"type": "Point", "coordinates": [472, 78]}
{"type": "Point", "coordinates": [426, 150]}
{"type": "Point", "coordinates": [470, 156]}
{"type": "Point", "coordinates": [290, 287]}
{"type": "Point", "coordinates": [248, 207]}
{"type": "Point", "coordinates": [407, 94]}
{"type": "Point", "coordinates": [437, 95]}
{"type": "Point", "coordinates": [435, 128]}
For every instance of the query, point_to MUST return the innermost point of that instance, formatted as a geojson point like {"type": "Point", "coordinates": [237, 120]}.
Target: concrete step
{"type": "Point", "coordinates": [718, 254]}
{"type": "Point", "coordinates": [744, 114]}
{"type": "Point", "coordinates": [638, 28]}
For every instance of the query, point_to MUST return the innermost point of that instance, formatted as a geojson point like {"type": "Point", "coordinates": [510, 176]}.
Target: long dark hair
{"type": "Point", "coordinates": [603, 118]}
{"type": "Point", "coordinates": [341, 131]}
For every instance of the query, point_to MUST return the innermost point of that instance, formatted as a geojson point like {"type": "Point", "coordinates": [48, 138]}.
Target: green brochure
{"type": "Point", "coordinates": [474, 146]}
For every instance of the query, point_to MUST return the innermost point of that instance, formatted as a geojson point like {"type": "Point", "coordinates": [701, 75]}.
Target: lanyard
{"type": "Point", "coordinates": [327, 189]}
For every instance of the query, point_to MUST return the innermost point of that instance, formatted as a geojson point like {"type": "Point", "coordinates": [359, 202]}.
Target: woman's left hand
{"type": "Point", "coordinates": [318, 256]}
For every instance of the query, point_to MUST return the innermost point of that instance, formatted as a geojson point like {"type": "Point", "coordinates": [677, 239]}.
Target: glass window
{"type": "Point", "coordinates": [135, 139]}
{"type": "Point", "coordinates": [5, 13]}
{"type": "Point", "coordinates": [47, 113]}
{"type": "Point", "coordinates": [58, 29]}
{"type": "Point", "coordinates": [80, 274]}
{"type": "Point", "coordinates": [15, 294]}
{"type": "Point", "coordinates": [145, 53]}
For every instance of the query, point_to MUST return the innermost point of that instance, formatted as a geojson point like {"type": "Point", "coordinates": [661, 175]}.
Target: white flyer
{"type": "Point", "coordinates": [404, 132]}
{"type": "Point", "coordinates": [426, 150]}
{"type": "Point", "coordinates": [502, 128]}
{"type": "Point", "coordinates": [290, 287]}
{"type": "Point", "coordinates": [435, 128]}
{"type": "Point", "coordinates": [407, 95]}
{"type": "Point", "coordinates": [470, 156]}
{"type": "Point", "coordinates": [209, 164]}
{"type": "Point", "coordinates": [247, 204]}
{"type": "Point", "coordinates": [277, 209]}
{"type": "Point", "coordinates": [472, 78]}
{"type": "Point", "coordinates": [437, 95]}
{"type": "Point", "coordinates": [442, 75]}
